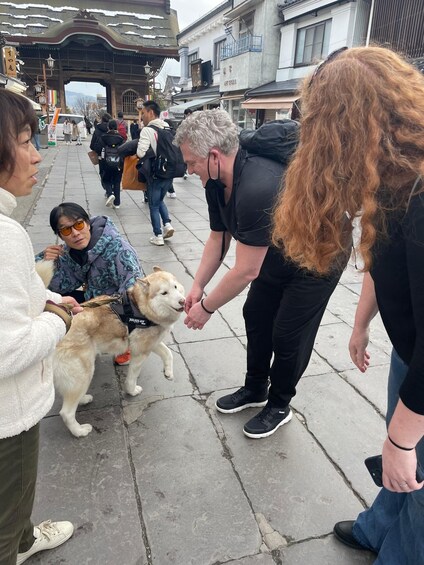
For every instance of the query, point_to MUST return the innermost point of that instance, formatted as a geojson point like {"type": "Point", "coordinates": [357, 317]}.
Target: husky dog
{"type": "Point", "coordinates": [158, 300]}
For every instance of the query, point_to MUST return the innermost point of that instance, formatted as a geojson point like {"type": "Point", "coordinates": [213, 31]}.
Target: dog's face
{"type": "Point", "coordinates": [164, 293]}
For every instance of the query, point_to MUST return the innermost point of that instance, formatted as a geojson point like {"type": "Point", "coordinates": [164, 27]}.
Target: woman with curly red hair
{"type": "Point", "coordinates": [361, 154]}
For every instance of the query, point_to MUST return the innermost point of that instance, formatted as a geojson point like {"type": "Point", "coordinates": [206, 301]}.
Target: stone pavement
{"type": "Point", "coordinates": [165, 479]}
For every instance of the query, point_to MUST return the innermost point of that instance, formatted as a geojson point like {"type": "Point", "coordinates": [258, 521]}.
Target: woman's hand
{"type": "Point", "coordinates": [399, 469]}
{"type": "Point", "coordinates": [358, 348]}
{"type": "Point", "coordinates": [53, 252]}
{"type": "Point", "coordinates": [71, 300]}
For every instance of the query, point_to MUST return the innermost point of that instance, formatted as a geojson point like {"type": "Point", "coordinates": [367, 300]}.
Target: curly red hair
{"type": "Point", "coordinates": [361, 149]}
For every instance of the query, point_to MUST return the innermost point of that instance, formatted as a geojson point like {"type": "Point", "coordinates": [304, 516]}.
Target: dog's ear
{"type": "Point", "coordinates": [144, 283]}
{"type": "Point", "coordinates": [156, 269]}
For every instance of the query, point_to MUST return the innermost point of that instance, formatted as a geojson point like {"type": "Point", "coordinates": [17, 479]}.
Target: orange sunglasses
{"type": "Point", "coordinates": [67, 230]}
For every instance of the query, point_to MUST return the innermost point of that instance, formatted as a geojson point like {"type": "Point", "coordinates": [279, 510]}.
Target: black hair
{"type": "Point", "coordinates": [152, 105]}
{"type": "Point", "coordinates": [187, 112]}
{"type": "Point", "coordinates": [70, 210]}
{"type": "Point", "coordinates": [106, 117]}
{"type": "Point", "coordinates": [120, 114]}
{"type": "Point", "coordinates": [113, 125]}
{"type": "Point", "coordinates": [16, 113]}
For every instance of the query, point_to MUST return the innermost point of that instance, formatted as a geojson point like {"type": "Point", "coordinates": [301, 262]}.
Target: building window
{"type": "Point", "coordinates": [191, 58]}
{"type": "Point", "coordinates": [128, 102]}
{"type": "Point", "coordinates": [312, 43]}
{"type": "Point", "coordinates": [217, 53]}
{"type": "Point", "coordinates": [246, 25]}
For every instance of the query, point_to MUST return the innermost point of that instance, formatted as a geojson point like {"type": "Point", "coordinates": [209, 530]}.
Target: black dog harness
{"type": "Point", "coordinates": [129, 314]}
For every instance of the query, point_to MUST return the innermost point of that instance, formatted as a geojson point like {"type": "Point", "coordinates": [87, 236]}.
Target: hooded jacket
{"type": "Point", "coordinates": [96, 143]}
{"type": "Point", "coordinates": [28, 335]}
{"type": "Point", "coordinates": [108, 265]}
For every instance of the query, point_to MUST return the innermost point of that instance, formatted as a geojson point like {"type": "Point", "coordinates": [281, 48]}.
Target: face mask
{"type": "Point", "coordinates": [217, 183]}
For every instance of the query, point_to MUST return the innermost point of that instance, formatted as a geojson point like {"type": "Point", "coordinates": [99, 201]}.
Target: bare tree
{"type": "Point", "coordinates": [82, 105]}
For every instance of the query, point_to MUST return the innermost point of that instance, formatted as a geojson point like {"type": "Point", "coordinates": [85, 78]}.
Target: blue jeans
{"type": "Point", "coordinates": [156, 192]}
{"type": "Point", "coordinates": [394, 525]}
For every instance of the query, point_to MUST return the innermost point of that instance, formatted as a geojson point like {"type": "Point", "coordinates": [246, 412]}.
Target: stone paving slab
{"type": "Point", "coordinates": [194, 507]}
{"type": "Point", "coordinates": [89, 482]}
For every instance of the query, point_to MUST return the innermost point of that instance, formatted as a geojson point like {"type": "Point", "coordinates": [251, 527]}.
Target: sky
{"type": "Point", "coordinates": [188, 12]}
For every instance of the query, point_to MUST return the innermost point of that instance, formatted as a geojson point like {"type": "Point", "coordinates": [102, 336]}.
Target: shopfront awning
{"type": "Point", "coordinates": [270, 102]}
{"type": "Point", "coordinates": [192, 104]}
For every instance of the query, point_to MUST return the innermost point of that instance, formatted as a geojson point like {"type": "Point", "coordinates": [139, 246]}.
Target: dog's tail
{"type": "Point", "coordinates": [45, 270]}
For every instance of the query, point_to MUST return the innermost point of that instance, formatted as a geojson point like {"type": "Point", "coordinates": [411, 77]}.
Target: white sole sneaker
{"type": "Point", "coordinates": [168, 232]}
{"type": "Point", "coordinates": [157, 240]}
{"type": "Point", "coordinates": [49, 535]}
{"type": "Point", "coordinates": [110, 200]}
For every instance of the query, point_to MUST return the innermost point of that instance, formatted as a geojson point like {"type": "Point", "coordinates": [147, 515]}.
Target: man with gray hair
{"type": "Point", "coordinates": [285, 304]}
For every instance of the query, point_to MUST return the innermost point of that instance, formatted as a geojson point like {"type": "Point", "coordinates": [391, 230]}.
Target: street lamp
{"type": "Point", "coordinates": [41, 86]}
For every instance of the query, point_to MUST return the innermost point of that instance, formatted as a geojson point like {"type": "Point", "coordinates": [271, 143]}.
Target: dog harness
{"type": "Point", "coordinates": [129, 314]}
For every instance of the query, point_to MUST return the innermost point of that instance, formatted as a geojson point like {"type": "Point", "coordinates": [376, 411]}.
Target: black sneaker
{"type": "Point", "coordinates": [343, 532]}
{"type": "Point", "coordinates": [240, 400]}
{"type": "Point", "coordinates": [267, 421]}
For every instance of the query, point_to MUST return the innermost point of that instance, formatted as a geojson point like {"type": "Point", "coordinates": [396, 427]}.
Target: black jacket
{"type": "Point", "coordinates": [96, 144]}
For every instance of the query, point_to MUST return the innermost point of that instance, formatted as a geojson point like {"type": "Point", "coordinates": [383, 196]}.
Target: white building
{"type": "Point", "coordinates": [310, 30]}
{"type": "Point", "coordinates": [200, 57]}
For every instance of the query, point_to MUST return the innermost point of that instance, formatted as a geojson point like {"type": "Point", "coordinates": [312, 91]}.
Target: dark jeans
{"type": "Point", "coordinates": [111, 182]}
{"type": "Point", "coordinates": [394, 524]}
{"type": "Point", "coordinates": [156, 191]}
{"type": "Point", "coordinates": [18, 475]}
{"type": "Point", "coordinates": [282, 314]}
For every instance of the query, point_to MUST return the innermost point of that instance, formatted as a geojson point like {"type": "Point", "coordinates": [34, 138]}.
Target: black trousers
{"type": "Point", "coordinates": [282, 314]}
{"type": "Point", "coordinates": [18, 475]}
{"type": "Point", "coordinates": [111, 182]}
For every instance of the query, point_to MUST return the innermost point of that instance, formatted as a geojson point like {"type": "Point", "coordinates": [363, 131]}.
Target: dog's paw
{"type": "Point", "coordinates": [86, 399]}
{"type": "Point", "coordinates": [137, 390]}
{"type": "Point", "coordinates": [169, 375]}
{"type": "Point", "coordinates": [81, 430]}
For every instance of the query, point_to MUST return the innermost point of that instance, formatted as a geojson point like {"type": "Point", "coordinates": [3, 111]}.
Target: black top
{"type": "Point", "coordinates": [398, 273]}
{"type": "Point", "coordinates": [247, 214]}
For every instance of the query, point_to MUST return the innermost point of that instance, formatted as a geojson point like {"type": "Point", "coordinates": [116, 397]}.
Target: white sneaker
{"type": "Point", "coordinates": [157, 240]}
{"type": "Point", "coordinates": [185, 176]}
{"type": "Point", "coordinates": [168, 231]}
{"type": "Point", "coordinates": [110, 200]}
{"type": "Point", "coordinates": [48, 535]}
{"type": "Point", "coordinates": [117, 206]}
{"type": "Point", "coordinates": [172, 195]}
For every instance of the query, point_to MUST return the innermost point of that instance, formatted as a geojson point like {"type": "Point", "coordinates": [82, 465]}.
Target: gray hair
{"type": "Point", "coordinates": [207, 129]}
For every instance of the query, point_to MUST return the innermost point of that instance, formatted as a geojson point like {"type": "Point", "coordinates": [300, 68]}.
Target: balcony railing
{"type": "Point", "coordinates": [243, 45]}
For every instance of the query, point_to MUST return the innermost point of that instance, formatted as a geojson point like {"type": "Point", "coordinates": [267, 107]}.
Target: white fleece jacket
{"type": "Point", "coordinates": [28, 335]}
{"type": "Point", "coordinates": [148, 137]}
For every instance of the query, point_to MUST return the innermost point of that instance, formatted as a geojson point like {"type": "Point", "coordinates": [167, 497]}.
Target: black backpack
{"type": "Point", "coordinates": [111, 156]}
{"type": "Point", "coordinates": [169, 162]}
{"type": "Point", "coordinates": [275, 140]}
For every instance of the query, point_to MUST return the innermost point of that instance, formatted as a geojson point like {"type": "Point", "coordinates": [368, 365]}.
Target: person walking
{"type": "Point", "coordinates": [67, 131]}
{"type": "Point", "coordinates": [362, 155]}
{"type": "Point", "coordinates": [96, 140]}
{"type": "Point", "coordinates": [156, 187]}
{"type": "Point", "coordinates": [112, 165]}
{"type": "Point", "coordinates": [33, 321]}
{"type": "Point", "coordinates": [285, 304]}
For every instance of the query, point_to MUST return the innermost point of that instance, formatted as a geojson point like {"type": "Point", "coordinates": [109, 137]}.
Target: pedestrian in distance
{"type": "Point", "coordinates": [96, 140]}
{"type": "Point", "coordinates": [156, 187]}
{"type": "Point", "coordinates": [112, 165]}
{"type": "Point", "coordinates": [362, 154]}
{"type": "Point", "coordinates": [33, 321]}
{"type": "Point", "coordinates": [94, 256]}
{"type": "Point", "coordinates": [285, 304]}
{"type": "Point", "coordinates": [187, 112]}
{"type": "Point", "coordinates": [122, 126]}
{"type": "Point", "coordinates": [134, 130]}
{"type": "Point", "coordinates": [76, 132]}
{"type": "Point", "coordinates": [67, 131]}
{"type": "Point", "coordinates": [88, 125]}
